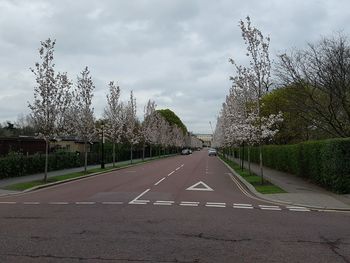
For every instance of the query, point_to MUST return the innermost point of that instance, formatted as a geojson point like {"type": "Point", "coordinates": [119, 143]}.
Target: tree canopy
{"type": "Point", "coordinates": [173, 119]}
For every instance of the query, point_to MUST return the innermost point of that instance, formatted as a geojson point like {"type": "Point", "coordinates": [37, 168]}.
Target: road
{"type": "Point", "coordinates": [180, 209]}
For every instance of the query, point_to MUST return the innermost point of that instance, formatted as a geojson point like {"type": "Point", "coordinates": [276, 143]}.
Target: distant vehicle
{"type": "Point", "coordinates": [190, 151]}
{"type": "Point", "coordinates": [185, 152]}
{"type": "Point", "coordinates": [212, 152]}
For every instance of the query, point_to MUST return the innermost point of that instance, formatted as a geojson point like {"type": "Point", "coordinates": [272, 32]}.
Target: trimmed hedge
{"type": "Point", "coordinates": [325, 162]}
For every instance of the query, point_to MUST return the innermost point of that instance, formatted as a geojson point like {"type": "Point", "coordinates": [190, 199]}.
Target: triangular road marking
{"type": "Point", "coordinates": [200, 186]}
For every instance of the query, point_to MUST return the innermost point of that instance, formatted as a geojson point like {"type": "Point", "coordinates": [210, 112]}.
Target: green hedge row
{"type": "Point", "coordinates": [325, 162]}
{"type": "Point", "coordinates": [17, 164]}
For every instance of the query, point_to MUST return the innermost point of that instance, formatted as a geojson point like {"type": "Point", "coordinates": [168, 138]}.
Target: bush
{"type": "Point", "coordinates": [325, 162]}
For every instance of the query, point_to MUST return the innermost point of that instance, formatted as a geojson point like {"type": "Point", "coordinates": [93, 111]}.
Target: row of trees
{"type": "Point", "coordinates": [310, 98]}
{"type": "Point", "coordinates": [61, 108]}
{"type": "Point", "coordinates": [240, 121]}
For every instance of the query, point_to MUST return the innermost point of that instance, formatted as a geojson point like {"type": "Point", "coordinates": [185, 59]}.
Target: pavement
{"type": "Point", "coordinates": [299, 191]}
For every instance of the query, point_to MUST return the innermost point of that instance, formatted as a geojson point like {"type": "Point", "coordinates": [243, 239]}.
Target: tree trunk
{"type": "Point", "coordinates": [261, 164]}
{"type": "Point", "coordinates": [46, 159]}
{"type": "Point", "coordinates": [85, 154]}
{"type": "Point", "coordinates": [250, 173]}
{"type": "Point", "coordinates": [113, 154]}
{"type": "Point", "coordinates": [143, 152]}
{"type": "Point", "coordinates": [131, 154]}
{"type": "Point", "coordinates": [150, 151]}
{"type": "Point", "coordinates": [242, 156]}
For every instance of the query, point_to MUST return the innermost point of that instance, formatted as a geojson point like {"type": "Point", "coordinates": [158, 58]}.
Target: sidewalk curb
{"type": "Point", "coordinates": [255, 193]}
{"type": "Point", "coordinates": [79, 178]}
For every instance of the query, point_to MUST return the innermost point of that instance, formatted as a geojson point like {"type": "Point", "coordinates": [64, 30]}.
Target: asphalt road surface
{"type": "Point", "coordinates": [180, 209]}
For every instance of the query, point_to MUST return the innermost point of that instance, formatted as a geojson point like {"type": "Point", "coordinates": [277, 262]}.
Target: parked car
{"type": "Point", "coordinates": [185, 152]}
{"type": "Point", "coordinates": [212, 152]}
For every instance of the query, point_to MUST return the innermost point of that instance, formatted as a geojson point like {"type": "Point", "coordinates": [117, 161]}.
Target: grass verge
{"type": "Point", "coordinates": [254, 180]}
{"type": "Point", "coordinates": [26, 185]}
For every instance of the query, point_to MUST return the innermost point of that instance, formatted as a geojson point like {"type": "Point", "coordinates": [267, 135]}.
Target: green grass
{"type": "Point", "coordinates": [27, 185]}
{"type": "Point", "coordinates": [254, 180]}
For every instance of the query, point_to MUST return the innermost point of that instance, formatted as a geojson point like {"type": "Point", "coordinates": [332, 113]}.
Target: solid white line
{"type": "Point", "coordinates": [138, 203]}
{"type": "Point", "coordinates": [85, 203]}
{"type": "Point", "coordinates": [137, 197]}
{"type": "Point", "coordinates": [8, 203]}
{"type": "Point", "coordinates": [187, 202]}
{"type": "Point", "coordinates": [165, 202]}
{"type": "Point", "coordinates": [58, 203]}
{"type": "Point", "coordinates": [112, 203]}
{"type": "Point", "coordinates": [31, 203]}
{"type": "Point", "coordinates": [171, 173]}
{"type": "Point", "coordinates": [159, 181]}
{"type": "Point", "coordinates": [242, 204]}
{"type": "Point", "coordinates": [296, 207]}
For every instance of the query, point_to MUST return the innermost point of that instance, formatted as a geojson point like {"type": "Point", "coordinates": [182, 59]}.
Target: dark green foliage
{"type": "Point", "coordinates": [325, 162]}
{"type": "Point", "coordinates": [172, 118]}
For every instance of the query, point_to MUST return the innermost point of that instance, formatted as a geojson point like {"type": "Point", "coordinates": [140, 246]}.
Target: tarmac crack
{"type": "Point", "coordinates": [202, 236]}
{"type": "Point", "coordinates": [96, 258]}
{"type": "Point", "coordinates": [332, 245]}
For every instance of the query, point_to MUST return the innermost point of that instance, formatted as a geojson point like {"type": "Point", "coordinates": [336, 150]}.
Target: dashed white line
{"type": "Point", "coordinates": [112, 203]}
{"type": "Point", "coordinates": [243, 206]}
{"type": "Point", "coordinates": [31, 203]}
{"type": "Point", "coordinates": [212, 204]}
{"type": "Point", "coordinates": [85, 203]}
{"type": "Point", "coordinates": [171, 173]}
{"type": "Point", "coordinates": [58, 203]}
{"type": "Point", "coordinates": [298, 209]}
{"type": "Point", "coordinates": [8, 203]}
{"type": "Point", "coordinates": [163, 203]}
{"type": "Point", "coordinates": [185, 203]}
{"type": "Point", "coordinates": [139, 202]}
{"type": "Point", "coordinates": [160, 181]}
{"type": "Point", "coordinates": [270, 207]}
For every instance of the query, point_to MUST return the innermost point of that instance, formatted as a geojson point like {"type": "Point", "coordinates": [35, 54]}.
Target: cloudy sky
{"type": "Point", "coordinates": [174, 52]}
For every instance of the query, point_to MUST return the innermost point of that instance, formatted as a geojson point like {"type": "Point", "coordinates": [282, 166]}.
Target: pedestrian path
{"type": "Point", "coordinates": [299, 191]}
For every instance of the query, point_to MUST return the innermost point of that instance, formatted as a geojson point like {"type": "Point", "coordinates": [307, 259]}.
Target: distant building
{"type": "Point", "coordinates": [206, 138]}
{"type": "Point", "coordinates": [26, 145]}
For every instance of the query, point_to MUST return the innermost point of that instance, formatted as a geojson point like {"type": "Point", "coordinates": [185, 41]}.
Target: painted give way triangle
{"type": "Point", "coordinates": [200, 186]}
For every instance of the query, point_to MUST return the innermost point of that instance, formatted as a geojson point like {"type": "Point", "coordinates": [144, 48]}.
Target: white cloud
{"type": "Point", "coordinates": [174, 52]}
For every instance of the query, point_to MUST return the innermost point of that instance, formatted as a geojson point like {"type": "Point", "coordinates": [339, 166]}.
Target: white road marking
{"type": "Point", "coordinates": [159, 181]}
{"type": "Point", "coordinates": [212, 204]}
{"type": "Point", "coordinates": [112, 203]}
{"type": "Point", "coordinates": [204, 187]}
{"type": "Point", "coordinates": [177, 168]}
{"type": "Point", "coordinates": [139, 202]}
{"type": "Point", "coordinates": [185, 203]}
{"type": "Point", "coordinates": [137, 197]}
{"type": "Point", "coordinates": [163, 202]}
{"type": "Point", "coordinates": [243, 206]}
{"type": "Point", "coordinates": [171, 173]}
{"type": "Point", "coordinates": [85, 203]}
{"type": "Point", "coordinates": [270, 207]}
{"type": "Point", "coordinates": [298, 209]}
{"type": "Point", "coordinates": [31, 203]}
{"type": "Point", "coordinates": [8, 203]}
{"type": "Point", "coordinates": [58, 203]}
